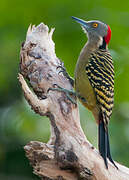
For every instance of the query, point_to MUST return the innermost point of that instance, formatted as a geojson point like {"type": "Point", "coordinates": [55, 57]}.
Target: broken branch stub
{"type": "Point", "coordinates": [68, 154]}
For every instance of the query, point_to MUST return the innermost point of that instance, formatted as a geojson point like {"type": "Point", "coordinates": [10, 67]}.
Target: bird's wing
{"type": "Point", "coordinates": [100, 71]}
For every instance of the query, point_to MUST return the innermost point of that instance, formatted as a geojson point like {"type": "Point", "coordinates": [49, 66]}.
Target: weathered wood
{"type": "Point", "coordinates": [68, 154]}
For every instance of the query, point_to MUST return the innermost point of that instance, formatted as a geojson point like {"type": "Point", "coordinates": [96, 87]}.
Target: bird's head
{"type": "Point", "coordinates": [96, 31]}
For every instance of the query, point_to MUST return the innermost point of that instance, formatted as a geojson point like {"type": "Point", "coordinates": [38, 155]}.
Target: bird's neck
{"type": "Point", "coordinates": [92, 45]}
{"type": "Point", "coordinates": [85, 54]}
{"type": "Point", "coordinates": [97, 42]}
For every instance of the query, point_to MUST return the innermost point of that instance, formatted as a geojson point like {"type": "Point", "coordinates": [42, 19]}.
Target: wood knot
{"type": "Point", "coordinates": [67, 157]}
{"type": "Point", "coordinates": [71, 156]}
{"type": "Point", "coordinates": [65, 107]}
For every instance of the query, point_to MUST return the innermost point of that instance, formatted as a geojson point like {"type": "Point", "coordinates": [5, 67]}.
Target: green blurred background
{"type": "Point", "coordinates": [18, 123]}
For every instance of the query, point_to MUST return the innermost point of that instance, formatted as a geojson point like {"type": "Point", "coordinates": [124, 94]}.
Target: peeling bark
{"type": "Point", "coordinates": [68, 154]}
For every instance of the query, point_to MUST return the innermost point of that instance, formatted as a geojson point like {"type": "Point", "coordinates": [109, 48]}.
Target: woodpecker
{"type": "Point", "coordinates": [94, 80]}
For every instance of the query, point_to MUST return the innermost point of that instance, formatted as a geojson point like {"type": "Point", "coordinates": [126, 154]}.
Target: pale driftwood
{"type": "Point", "coordinates": [68, 154]}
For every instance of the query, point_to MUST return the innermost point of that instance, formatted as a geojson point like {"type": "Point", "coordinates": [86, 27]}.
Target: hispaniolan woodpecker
{"type": "Point", "coordinates": [94, 79]}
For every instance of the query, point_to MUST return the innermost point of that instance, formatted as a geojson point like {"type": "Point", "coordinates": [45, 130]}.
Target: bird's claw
{"type": "Point", "coordinates": [60, 66]}
{"type": "Point", "coordinates": [63, 70]}
{"type": "Point", "coordinates": [57, 86]}
{"type": "Point", "coordinates": [49, 89]}
{"type": "Point", "coordinates": [68, 93]}
{"type": "Point", "coordinates": [60, 71]}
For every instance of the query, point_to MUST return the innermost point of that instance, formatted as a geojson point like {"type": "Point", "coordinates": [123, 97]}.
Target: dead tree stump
{"type": "Point", "coordinates": [68, 155]}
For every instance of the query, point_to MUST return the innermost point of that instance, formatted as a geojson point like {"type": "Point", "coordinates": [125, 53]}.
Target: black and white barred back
{"type": "Point", "coordinates": [100, 71]}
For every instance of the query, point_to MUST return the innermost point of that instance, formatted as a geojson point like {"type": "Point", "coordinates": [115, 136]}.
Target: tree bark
{"type": "Point", "coordinates": [68, 154]}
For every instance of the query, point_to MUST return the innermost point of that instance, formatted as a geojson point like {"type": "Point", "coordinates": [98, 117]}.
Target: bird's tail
{"type": "Point", "coordinates": [108, 151]}
{"type": "Point", "coordinates": [104, 145]}
{"type": "Point", "coordinates": [103, 142]}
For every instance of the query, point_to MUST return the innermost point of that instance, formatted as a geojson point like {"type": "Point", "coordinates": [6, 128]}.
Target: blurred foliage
{"type": "Point", "coordinates": [18, 123]}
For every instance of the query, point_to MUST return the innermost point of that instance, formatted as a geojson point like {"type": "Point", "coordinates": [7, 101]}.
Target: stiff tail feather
{"type": "Point", "coordinates": [104, 145]}
{"type": "Point", "coordinates": [108, 151]}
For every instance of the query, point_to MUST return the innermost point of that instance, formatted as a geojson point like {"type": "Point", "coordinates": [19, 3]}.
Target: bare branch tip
{"type": "Point", "coordinates": [33, 27]}
{"type": "Point", "coordinates": [22, 81]}
{"type": "Point", "coordinates": [51, 32]}
{"type": "Point", "coordinates": [20, 77]}
{"type": "Point", "coordinates": [27, 148]}
{"type": "Point", "coordinates": [29, 29]}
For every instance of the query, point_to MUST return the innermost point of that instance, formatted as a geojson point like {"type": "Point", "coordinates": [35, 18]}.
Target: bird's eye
{"type": "Point", "coordinates": [95, 25]}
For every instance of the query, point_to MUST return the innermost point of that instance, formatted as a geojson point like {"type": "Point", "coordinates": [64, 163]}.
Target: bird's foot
{"type": "Point", "coordinates": [63, 70]}
{"type": "Point", "coordinates": [68, 93]}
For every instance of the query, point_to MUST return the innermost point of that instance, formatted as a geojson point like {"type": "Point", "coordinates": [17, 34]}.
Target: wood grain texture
{"type": "Point", "coordinates": [68, 154]}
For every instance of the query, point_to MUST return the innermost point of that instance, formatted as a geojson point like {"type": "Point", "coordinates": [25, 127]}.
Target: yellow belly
{"type": "Point", "coordinates": [82, 83]}
{"type": "Point", "coordinates": [85, 90]}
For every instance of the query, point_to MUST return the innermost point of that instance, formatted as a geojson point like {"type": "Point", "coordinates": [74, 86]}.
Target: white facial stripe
{"type": "Point", "coordinates": [100, 42]}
